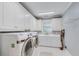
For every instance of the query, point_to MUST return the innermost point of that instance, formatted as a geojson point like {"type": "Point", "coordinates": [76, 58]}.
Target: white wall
{"type": "Point", "coordinates": [71, 25]}
{"type": "Point", "coordinates": [57, 24]}
{"type": "Point", "coordinates": [39, 25]}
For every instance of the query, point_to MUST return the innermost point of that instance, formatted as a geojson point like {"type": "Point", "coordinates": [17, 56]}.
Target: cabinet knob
{"type": "Point", "coordinates": [13, 45]}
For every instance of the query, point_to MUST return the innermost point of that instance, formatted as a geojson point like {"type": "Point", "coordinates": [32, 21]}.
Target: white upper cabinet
{"type": "Point", "coordinates": [29, 22]}
{"type": "Point", "coordinates": [1, 14]}
{"type": "Point", "coordinates": [33, 24]}
{"type": "Point", "coordinates": [15, 17]}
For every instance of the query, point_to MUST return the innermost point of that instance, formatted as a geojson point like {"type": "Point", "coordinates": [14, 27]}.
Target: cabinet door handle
{"type": "Point", "coordinates": [20, 41]}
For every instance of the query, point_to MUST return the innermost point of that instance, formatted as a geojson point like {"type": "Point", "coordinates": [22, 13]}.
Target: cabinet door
{"type": "Point", "coordinates": [22, 15]}
{"type": "Point", "coordinates": [18, 18]}
{"type": "Point", "coordinates": [9, 46]}
{"type": "Point", "coordinates": [1, 13]}
{"type": "Point", "coordinates": [14, 15]}
{"type": "Point", "coordinates": [30, 22]}
{"type": "Point", "coordinates": [9, 15]}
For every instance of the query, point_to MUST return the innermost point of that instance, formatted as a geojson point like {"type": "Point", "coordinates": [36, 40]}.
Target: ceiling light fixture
{"type": "Point", "coordinates": [47, 13]}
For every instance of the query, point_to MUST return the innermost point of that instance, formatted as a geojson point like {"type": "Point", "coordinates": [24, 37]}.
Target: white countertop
{"type": "Point", "coordinates": [49, 35]}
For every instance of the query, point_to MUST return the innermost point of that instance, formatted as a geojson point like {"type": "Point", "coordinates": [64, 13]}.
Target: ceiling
{"type": "Point", "coordinates": [47, 9]}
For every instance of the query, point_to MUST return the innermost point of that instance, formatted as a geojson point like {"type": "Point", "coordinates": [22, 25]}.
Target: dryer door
{"type": "Point", "coordinates": [27, 49]}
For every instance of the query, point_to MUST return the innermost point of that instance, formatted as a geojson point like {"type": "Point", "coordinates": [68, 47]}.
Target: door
{"type": "Point", "coordinates": [27, 48]}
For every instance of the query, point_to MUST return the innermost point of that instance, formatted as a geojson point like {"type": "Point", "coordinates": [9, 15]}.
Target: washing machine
{"type": "Point", "coordinates": [17, 44]}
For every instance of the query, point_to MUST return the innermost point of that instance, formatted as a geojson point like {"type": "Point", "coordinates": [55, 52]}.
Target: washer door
{"type": "Point", "coordinates": [27, 49]}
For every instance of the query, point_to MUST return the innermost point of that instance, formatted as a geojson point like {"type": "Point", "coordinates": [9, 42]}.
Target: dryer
{"type": "Point", "coordinates": [17, 44]}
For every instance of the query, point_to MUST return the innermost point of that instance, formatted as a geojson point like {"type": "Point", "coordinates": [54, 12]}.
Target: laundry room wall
{"type": "Point", "coordinates": [71, 25]}
{"type": "Point", "coordinates": [57, 24]}
{"type": "Point", "coordinates": [39, 25]}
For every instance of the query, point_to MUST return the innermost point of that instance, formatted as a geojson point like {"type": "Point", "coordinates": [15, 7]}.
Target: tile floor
{"type": "Point", "coordinates": [48, 51]}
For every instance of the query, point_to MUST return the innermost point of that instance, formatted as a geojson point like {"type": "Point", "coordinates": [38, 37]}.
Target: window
{"type": "Point", "coordinates": [47, 26]}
